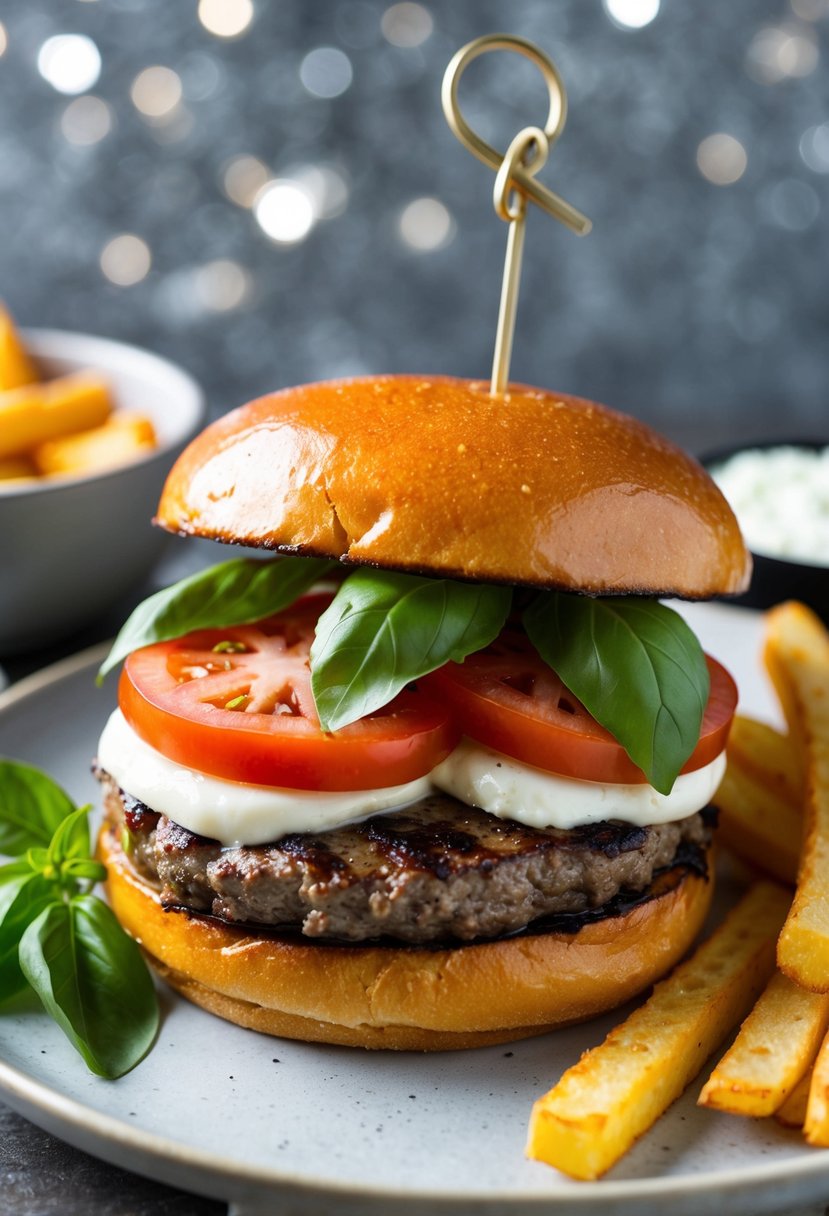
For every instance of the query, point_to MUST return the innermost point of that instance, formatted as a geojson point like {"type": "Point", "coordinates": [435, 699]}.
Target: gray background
{"type": "Point", "coordinates": [699, 307]}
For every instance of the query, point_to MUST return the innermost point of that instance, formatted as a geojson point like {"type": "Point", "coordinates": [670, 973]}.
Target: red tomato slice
{"type": "Point", "coordinates": [237, 703]}
{"type": "Point", "coordinates": [507, 698]}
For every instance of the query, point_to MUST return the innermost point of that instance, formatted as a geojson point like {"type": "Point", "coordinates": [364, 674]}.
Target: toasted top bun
{"type": "Point", "coordinates": [433, 475]}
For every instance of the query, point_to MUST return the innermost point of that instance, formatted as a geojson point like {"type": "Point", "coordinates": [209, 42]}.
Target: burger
{"type": "Point", "coordinates": [436, 774]}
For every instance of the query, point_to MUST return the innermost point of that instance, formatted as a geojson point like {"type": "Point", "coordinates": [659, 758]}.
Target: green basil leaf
{"type": "Point", "coordinates": [93, 981]}
{"type": "Point", "coordinates": [233, 593]}
{"type": "Point", "coordinates": [83, 869]}
{"type": "Point", "coordinates": [635, 665]}
{"type": "Point", "coordinates": [71, 840]}
{"type": "Point", "coordinates": [383, 630]}
{"type": "Point", "coordinates": [22, 899]}
{"type": "Point", "coordinates": [32, 807]}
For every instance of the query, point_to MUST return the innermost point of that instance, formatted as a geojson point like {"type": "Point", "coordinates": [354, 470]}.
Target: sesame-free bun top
{"type": "Point", "coordinates": [433, 475]}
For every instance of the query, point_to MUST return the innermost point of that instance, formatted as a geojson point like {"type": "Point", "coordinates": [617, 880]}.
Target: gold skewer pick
{"type": "Point", "coordinates": [515, 182]}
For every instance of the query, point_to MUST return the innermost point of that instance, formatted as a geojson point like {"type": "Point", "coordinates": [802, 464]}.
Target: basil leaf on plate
{"type": "Point", "coordinates": [32, 807]}
{"type": "Point", "coordinates": [383, 630]}
{"type": "Point", "coordinates": [23, 896]}
{"type": "Point", "coordinates": [93, 981]}
{"type": "Point", "coordinates": [71, 839]}
{"type": "Point", "coordinates": [635, 665]}
{"type": "Point", "coordinates": [233, 593]}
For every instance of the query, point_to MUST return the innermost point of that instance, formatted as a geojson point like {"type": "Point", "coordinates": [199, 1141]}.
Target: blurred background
{"type": "Point", "coordinates": [268, 193]}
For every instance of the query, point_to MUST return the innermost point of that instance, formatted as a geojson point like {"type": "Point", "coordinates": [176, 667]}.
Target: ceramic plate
{"type": "Point", "coordinates": [226, 1112]}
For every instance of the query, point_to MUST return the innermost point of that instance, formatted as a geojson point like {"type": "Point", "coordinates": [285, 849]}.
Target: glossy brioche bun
{"type": "Point", "coordinates": [432, 475]}
{"type": "Point", "coordinates": [409, 998]}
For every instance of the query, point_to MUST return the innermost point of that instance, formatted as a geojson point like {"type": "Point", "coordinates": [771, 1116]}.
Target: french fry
{"type": "Point", "coordinates": [16, 368]}
{"type": "Point", "coordinates": [36, 412]}
{"type": "Point", "coordinates": [121, 438]}
{"type": "Point", "coordinates": [618, 1090]}
{"type": "Point", "coordinates": [797, 657]}
{"type": "Point", "coordinates": [792, 1113]}
{"type": "Point", "coordinates": [816, 1123]}
{"type": "Point", "coordinates": [776, 1045]}
{"type": "Point", "coordinates": [757, 824]}
{"type": "Point", "coordinates": [768, 757]}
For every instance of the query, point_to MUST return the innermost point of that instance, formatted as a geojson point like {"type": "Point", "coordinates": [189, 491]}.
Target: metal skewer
{"type": "Point", "coordinates": [515, 182]}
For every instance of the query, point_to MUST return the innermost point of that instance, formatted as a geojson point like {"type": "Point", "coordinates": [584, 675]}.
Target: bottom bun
{"type": "Point", "coordinates": [409, 998]}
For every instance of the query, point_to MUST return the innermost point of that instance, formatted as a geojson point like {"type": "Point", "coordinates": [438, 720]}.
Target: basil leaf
{"type": "Point", "coordinates": [32, 807]}
{"type": "Point", "coordinates": [71, 839]}
{"type": "Point", "coordinates": [233, 593]}
{"type": "Point", "coordinates": [383, 630]}
{"type": "Point", "coordinates": [93, 981]}
{"type": "Point", "coordinates": [23, 896]}
{"type": "Point", "coordinates": [83, 869]}
{"type": "Point", "coordinates": [635, 665]}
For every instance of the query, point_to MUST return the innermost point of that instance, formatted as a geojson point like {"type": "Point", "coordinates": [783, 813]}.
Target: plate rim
{"type": "Point", "coordinates": [112, 1132]}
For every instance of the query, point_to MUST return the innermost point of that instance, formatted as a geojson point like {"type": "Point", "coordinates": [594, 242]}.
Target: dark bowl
{"type": "Point", "coordinates": [775, 578]}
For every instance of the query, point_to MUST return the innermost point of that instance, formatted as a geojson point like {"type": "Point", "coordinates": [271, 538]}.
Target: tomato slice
{"type": "Point", "coordinates": [507, 698]}
{"type": "Point", "coordinates": [237, 703]}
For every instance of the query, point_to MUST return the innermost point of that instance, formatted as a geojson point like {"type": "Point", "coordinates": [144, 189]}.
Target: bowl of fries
{"type": "Point", "coordinates": [88, 429]}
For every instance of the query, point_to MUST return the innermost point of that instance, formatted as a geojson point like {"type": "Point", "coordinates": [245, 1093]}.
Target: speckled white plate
{"type": "Point", "coordinates": [226, 1112]}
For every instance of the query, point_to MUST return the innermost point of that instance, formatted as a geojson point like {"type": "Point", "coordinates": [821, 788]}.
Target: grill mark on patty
{"type": "Point", "coordinates": [438, 870]}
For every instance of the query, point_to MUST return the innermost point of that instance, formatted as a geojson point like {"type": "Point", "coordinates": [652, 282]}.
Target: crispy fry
{"type": "Point", "coordinates": [797, 656]}
{"type": "Point", "coordinates": [816, 1123]}
{"type": "Point", "coordinates": [16, 368]}
{"type": "Point", "coordinates": [792, 1113]}
{"type": "Point", "coordinates": [618, 1090]}
{"type": "Point", "coordinates": [776, 1045]}
{"type": "Point", "coordinates": [767, 756]}
{"type": "Point", "coordinates": [121, 438]}
{"type": "Point", "coordinates": [36, 412]}
{"type": "Point", "coordinates": [757, 824]}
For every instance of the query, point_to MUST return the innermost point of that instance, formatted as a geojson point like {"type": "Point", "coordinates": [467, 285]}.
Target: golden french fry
{"type": "Point", "coordinates": [792, 1113]}
{"type": "Point", "coordinates": [768, 756]}
{"type": "Point", "coordinates": [16, 368]}
{"type": "Point", "coordinates": [36, 412]}
{"type": "Point", "coordinates": [757, 824]}
{"type": "Point", "coordinates": [121, 438]}
{"type": "Point", "coordinates": [797, 656]}
{"type": "Point", "coordinates": [618, 1090]}
{"type": "Point", "coordinates": [776, 1045]}
{"type": "Point", "coordinates": [816, 1123]}
{"type": "Point", "coordinates": [15, 467]}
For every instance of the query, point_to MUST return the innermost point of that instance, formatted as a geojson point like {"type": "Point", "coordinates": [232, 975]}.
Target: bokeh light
{"type": "Point", "coordinates": [326, 71]}
{"type": "Point", "coordinates": [71, 63]}
{"type": "Point", "coordinates": [226, 18]}
{"type": "Point", "coordinates": [779, 52]}
{"type": "Point", "coordinates": [790, 204]}
{"type": "Point", "coordinates": [4, 42]}
{"type": "Point", "coordinates": [86, 121]}
{"type": "Point", "coordinates": [156, 93]}
{"type": "Point", "coordinates": [631, 14]}
{"type": "Point", "coordinates": [810, 10]}
{"type": "Point", "coordinates": [327, 189]}
{"type": "Point", "coordinates": [721, 159]}
{"type": "Point", "coordinates": [407, 24]}
{"type": "Point", "coordinates": [814, 148]}
{"type": "Point", "coordinates": [426, 225]}
{"type": "Point", "coordinates": [126, 260]}
{"type": "Point", "coordinates": [284, 211]}
{"type": "Point", "coordinates": [243, 178]}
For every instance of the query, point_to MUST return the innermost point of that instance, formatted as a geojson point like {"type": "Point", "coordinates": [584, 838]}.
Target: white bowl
{"type": "Point", "coordinates": [69, 548]}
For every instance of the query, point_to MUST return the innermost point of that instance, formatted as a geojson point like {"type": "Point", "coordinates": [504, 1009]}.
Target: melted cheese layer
{"type": "Point", "coordinates": [234, 814]}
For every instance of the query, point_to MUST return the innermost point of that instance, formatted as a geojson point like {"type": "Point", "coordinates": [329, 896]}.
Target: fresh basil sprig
{"type": "Point", "coordinates": [383, 630]}
{"type": "Point", "coordinates": [637, 668]}
{"type": "Point", "coordinates": [232, 593]}
{"type": "Point", "coordinates": [59, 938]}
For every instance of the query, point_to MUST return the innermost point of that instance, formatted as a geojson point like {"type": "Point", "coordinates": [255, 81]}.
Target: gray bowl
{"type": "Point", "coordinates": [70, 548]}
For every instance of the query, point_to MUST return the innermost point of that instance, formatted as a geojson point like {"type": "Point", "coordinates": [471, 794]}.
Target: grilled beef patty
{"type": "Point", "coordinates": [438, 869]}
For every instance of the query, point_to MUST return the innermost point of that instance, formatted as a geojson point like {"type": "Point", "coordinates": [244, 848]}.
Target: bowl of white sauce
{"type": "Point", "coordinates": [779, 492]}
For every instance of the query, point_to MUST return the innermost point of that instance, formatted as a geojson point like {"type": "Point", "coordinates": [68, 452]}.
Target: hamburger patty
{"type": "Point", "coordinates": [436, 870]}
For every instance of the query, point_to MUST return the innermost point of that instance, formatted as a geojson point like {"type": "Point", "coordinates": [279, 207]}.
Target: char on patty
{"type": "Point", "coordinates": [436, 870]}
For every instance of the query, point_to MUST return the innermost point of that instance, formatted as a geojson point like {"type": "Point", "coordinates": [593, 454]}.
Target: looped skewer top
{"type": "Point", "coordinates": [515, 182]}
